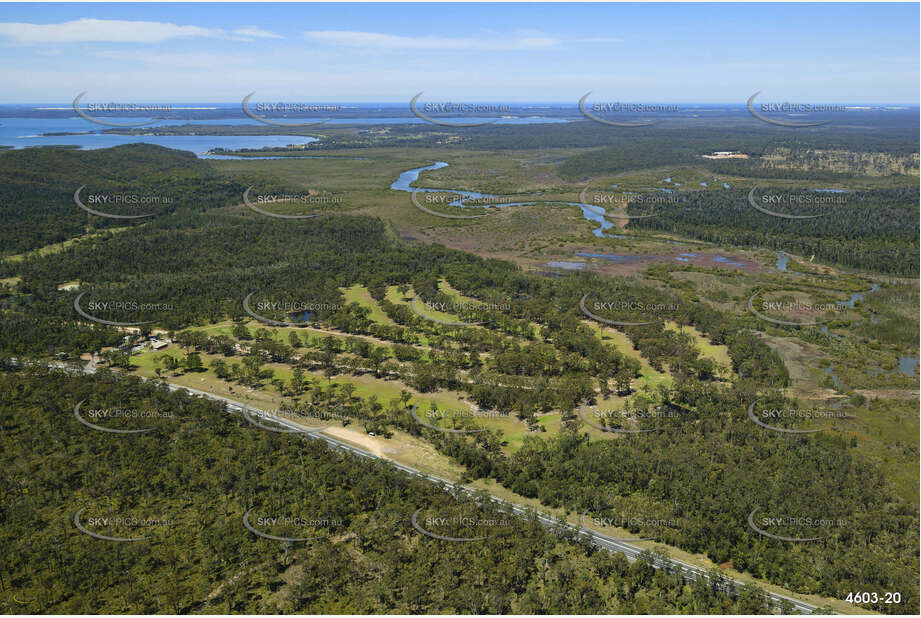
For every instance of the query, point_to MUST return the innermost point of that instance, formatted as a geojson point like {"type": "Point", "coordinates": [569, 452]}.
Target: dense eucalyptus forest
{"type": "Point", "coordinates": [868, 230]}
{"type": "Point", "coordinates": [202, 469]}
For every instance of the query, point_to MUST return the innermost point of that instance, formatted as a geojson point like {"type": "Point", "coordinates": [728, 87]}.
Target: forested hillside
{"type": "Point", "coordinates": [37, 188]}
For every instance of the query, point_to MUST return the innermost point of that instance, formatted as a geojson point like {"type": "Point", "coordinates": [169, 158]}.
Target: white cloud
{"type": "Point", "coordinates": [87, 30]}
{"type": "Point", "coordinates": [376, 40]}
{"type": "Point", "coordinates": [257, 32]}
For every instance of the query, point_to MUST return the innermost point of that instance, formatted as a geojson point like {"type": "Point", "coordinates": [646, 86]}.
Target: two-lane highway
{"type": "Point", "coordinates": [631, 551]}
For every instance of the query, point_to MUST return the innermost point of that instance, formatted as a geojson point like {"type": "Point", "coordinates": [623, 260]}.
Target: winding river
{"type": "Point", "coordinates": [404, 183]}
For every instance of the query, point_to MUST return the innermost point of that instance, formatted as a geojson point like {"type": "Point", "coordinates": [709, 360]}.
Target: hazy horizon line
{"type": "Point", "coordinates": [574, 104]}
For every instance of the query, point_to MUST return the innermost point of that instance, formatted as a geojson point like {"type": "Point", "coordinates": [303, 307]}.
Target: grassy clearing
{"type": "Point", "coordinates": [419, 307]}
{"type": "Point", "coordinates": [360, 294]}
{"type": "Point", "coordinates": [455, 295]}
{"type": "Point", "coordinates": [365, 385]}
{"type": "Point", "coordinates": [461, 299]}
{"type": "Point", "coordinates": [717, 353]}
{"type": "Point", "coordinates": [281, 333]}
{"type": "Point", "coordinates": [649, 377]}
{"type": "Point", "coordinates": [400, 447]}
{"type": "Point", "coordinates": [61, 246]}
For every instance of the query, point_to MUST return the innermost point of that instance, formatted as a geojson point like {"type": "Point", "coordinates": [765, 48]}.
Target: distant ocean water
{"type": "Point", "coordinates": [25, 132]}
{"type": "Point", "coordinates": [28, 132]}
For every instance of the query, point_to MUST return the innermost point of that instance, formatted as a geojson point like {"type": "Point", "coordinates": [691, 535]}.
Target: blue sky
{"type": "Point", "coordinates": [707, 53]}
